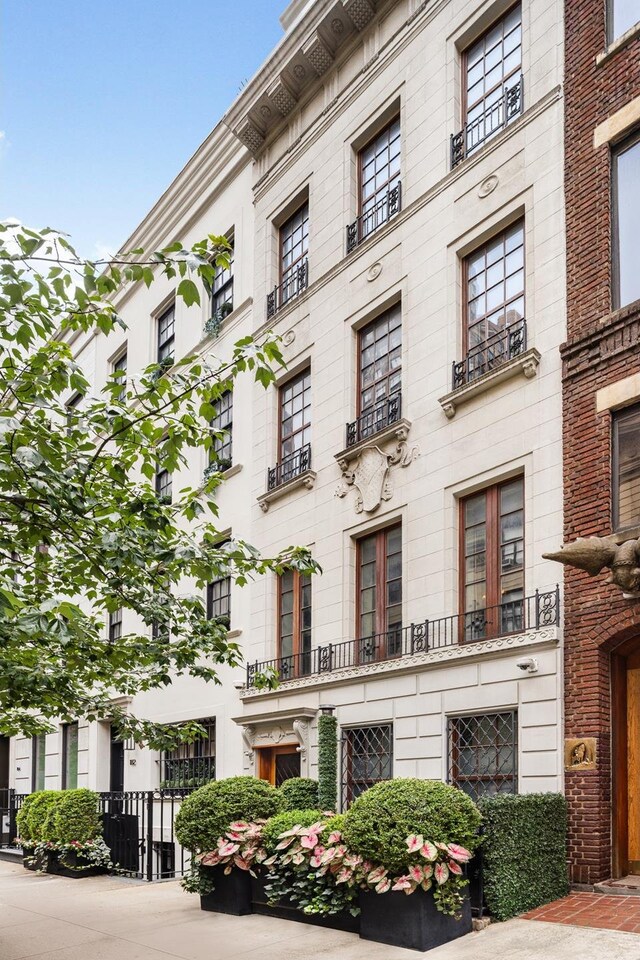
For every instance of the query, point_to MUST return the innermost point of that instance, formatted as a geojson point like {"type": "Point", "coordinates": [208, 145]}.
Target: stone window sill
{"type": "Point", "coordinates": [233, 634]}
{"type": "Point", "coordinates": [304, 480]}
{"type": "Point", "coordinates": [398, 431]}
{"type": "Point", "coordinates": [526, 363]}
{"type": "Point", "coordinates": [618, 44]}
{"type": "Point", "coordinates": [233, 471]}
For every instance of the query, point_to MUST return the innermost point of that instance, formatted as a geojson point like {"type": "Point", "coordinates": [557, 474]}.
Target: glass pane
{"type": "Point", "coordinates": [475, 510]}
{"type": "Point", "coordinates": [511, 496]}
{"type": "Point", "coordinates": [628, 203]}
{"type": "Point", "coordinates": [627, 427]}
{"type": "Point", "coordinates": [626, 13]}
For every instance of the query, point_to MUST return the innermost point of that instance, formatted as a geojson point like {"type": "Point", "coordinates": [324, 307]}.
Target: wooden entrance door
{"type": "Point", "coordinates": [277, 764]}
{"type": "Point", "coordinates": [633, 763]}
{"type": "Point", "coordinates": [625, 690]}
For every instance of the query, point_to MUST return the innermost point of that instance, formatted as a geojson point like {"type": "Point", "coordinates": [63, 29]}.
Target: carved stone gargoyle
{"type": "Point", "coordinates": [593, 554]}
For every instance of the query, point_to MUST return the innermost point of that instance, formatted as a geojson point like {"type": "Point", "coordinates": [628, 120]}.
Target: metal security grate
{"type": "Point", "coordinates": [483, 753]}
{"type": "Point", "coordinates": [367, 757]}
{"type": "Point", "coordinates": [287, 767]}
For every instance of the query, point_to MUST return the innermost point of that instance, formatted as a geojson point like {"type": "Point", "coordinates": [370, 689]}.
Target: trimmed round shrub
{"type": "Point", "coordinates": [22, 817]}
{"type": "Point", "coordinates": [287, 821]}
{"type": "Point", "coordinates": [205, 815]}
{"type": "Point", "coordinates": [40, 817]}
{"type": "Point", "coordinates": [380, 820]}
{"type": "Point", "coordinates": [76, 816]}
{"type": "Point", "coordinates": [300, 793]}
{"type": "Point", "coordinates": [333, 823]}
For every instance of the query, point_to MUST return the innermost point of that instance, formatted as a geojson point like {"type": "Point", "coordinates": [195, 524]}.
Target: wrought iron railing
{"type": "Point", "coordinates": [493, 353]}
{"type": "Point", "coordinates": [372, 421]}
{"type": "Point", "coordinates": [10, 803]}
{"type": "Point", "coordinates": [529, 613]}
{"type": "Point", "coordinates": [297, 463]}
{"type": "Point", "coordinates": [292, 285]}
{"type": "Point", "coordinates": [186, 772]}
{"type": "Point", "coordinates": [482, 128]}
{"type": "Point", "coordinates": [376, 216]}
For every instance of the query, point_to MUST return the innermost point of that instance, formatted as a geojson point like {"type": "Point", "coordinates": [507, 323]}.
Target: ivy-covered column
{"type": "Point", "coordinates": [327, 759]}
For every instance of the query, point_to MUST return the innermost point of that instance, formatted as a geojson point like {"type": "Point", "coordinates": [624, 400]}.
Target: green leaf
{"type": "Point", "coordinates": [188, 291]}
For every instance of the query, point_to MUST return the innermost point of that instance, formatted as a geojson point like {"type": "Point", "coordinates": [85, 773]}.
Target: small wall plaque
{"type": "Point", "coordinates": [580, 754]}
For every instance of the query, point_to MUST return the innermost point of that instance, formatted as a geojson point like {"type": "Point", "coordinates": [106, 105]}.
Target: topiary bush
{"type": "Point", "coordinates": [206, 814]}
{"type": "Point", "coordinates": [327, 762]}
{"type": "Point", "coordinates": [300, 793]}
{"type": "Point", "coordinates": [76, 816]}
{"type": "Point", "coordinates": [333, 823]}
{"type": "Point", "coordinates": [378, 823]}
{"type": "Point", "coordinates": [22, 817]}
{"type": "Point", "coordinates": [40, 816]}
{"type": "Point", "coordinates": [287, 821]}
{"type": "Point", "coordinates": [524, 851]}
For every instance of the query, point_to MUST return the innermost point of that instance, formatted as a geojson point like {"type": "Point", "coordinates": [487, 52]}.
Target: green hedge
{"type": "Point", "coordinates": [60, 816]}
{"type": "Point", "coordinates": [300, 793]}
{"type": "Point", "coordinates": [287, 821]}
{"type": "Point", "coordinates": [327, 762]}
{"type": "Point", "coordinates": [205, 815]}
{"type": "Point", "coordinates": [378, 823]}
{"type": "Point", "coordinates": [525, 851]}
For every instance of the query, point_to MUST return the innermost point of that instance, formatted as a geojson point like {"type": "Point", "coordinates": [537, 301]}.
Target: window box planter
{"type": "Point", "coordinates": [286, 910]}
{"type": "Point", "coordinates": [409, 921]}
{"type": "Point", "coordinates": [232, 892]}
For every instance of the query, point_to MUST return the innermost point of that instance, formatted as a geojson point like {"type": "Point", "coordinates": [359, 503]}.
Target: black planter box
{"type": "Point", "coordinates": [285, 909]}
{"type": "Point", "coordinates": [232, 892]}
{"type": "Point", "coordinates": [42, 861]}
{"type": "Point", "coordinates": [50, 862]}
{"type": "Point", "coordinates": [409, 921]}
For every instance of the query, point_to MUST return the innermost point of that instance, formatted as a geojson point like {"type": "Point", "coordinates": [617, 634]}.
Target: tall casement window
{"type": "Point", "coordinates": [120, 371]}
{"type": "Point", "coordinates": [164, 485]}
{"type": "Point", "coordinates": [115, 625]}
{"type": "Point", "coordinates": [492, 75]}
{"type": "Point", "coordinates": [219, 600]}
{"type": "Point", "coordinates": [190, 764]}
{"type": "Point", "coordinates": [295, 426]}
{"type": "Point", "coordinates": [294, 624]}
{"type": "Point", "coordinates": [294, 250]}
{"type": "Point", "coordinates": [69, 756]}
{"type": "Point", "coordinates": [626, 242]}
{"type": "Point", "coordinates": [379, 591]}
{"type": "Point", "coordinates": [626, 468]}
{"type": "Point", "coordinates": [38, 758]}
{"type": "Point", "coordinates": [367, 756]}
{"type": "Point", "coordinates": [220, 454]}
{"type": "Point", "coordinates": [483, 752]}
{"type": "Point", "coordinates": [622, 15]}
{"type": "Point", "coordinates": [166, 336]}
{"type": "Point", "coordinates": [492, 552]}
{"type": "Point", "coordinates": [380, 375]}
{"type": "Point", "coordinates": [222, 289]}
{"type": "Point", "coordinates": [494, 323]}
{"type": "Point", "coordinates": [379, 179]}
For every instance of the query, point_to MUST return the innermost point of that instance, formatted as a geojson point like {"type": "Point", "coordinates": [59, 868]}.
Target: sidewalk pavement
{"type": "Point", "coordinates": [107, 918]}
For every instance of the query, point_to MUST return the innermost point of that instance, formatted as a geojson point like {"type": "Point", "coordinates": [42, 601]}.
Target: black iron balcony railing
{"type": "Point", "coordinates": [529, 613]}
{"type": "Point", "coordinates": [493, 353]}
{"type": "Point", "coordinates": [372, 421]}
{"type": "Point", "coordinates": [186, 772]}
{"type": "Point", "coordinates": [291, 287]}
{"type": "Point", "coordinates": [376, 216]}
{"type": "Point", "coordinates": [482, 128]}
{"type": "Point", "coordinates": [297, 463]}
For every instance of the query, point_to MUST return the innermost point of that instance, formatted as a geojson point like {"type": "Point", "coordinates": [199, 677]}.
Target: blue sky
{"type": "Point", "coordinates": [105, 100]}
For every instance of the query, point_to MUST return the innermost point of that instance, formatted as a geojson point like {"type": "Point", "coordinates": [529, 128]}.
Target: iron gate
{"type": "Point", "coordinates": [10, 803]}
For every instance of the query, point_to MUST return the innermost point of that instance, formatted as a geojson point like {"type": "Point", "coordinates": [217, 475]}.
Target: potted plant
{"type": "Point", "coordinates": [414, 836]}
{"type": "Point", "coordinates": [60, 833]}
{"type": "Point", "coordinates": [210, 824]}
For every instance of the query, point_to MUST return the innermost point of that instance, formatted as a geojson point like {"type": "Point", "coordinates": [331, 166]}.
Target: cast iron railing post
{"type": "Point", "coordinates": [149, 851]}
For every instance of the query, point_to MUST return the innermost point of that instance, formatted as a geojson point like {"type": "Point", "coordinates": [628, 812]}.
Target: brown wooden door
{"type": "Point", "coordinates": [633, 762]}
{"type": "Point", "coordinates": [277, 764]}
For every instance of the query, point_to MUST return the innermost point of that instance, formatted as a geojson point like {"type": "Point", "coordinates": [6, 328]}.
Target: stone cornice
{"type": "Point", "coordinates": [457, 653]}
{"type": "Point", "coordinates": [608, 337]}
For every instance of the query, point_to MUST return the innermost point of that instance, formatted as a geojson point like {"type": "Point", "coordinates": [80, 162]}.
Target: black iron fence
{"type": "Point", "coordinates": [372, 421]}
{"type": "Point", "coordinates": [292, 286]}
{"type": "Point", "coordinates": [529, 613]}
{"type": "Point", "coordinates": [491, 354]}
{"type": "Point", "coordinates": [297, 463]}
{"type": "Point", "coordinates": [496, 116]}
{"type": "Point", "coordinates": [10, 803]}
{"type": "Point", "coordinates": [376, 216]}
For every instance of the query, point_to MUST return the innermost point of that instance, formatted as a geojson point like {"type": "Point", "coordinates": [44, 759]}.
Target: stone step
{"type": "Point", "coordinates": [622, 887]}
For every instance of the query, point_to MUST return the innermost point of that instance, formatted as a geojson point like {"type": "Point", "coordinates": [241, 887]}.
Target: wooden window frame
{"type": "Point", "coordinates": [297, 653]}
{"type": "Point", "coordinates": [65, 755]}
{"type": "Point", "coordinates": [360, 386]}
{"type": "Point", "coordinates": [288, 385]}
{"type": "Point", "coordinates": [36, 741]}
{"type": "Point", "coordinates": [284, 275]}
{"type": "Point", "coordinates": [465, 282]}
{"type": "Point", "coordinates": [617, 416]}
{"type": "Point", "coordinates": [223, 293]}
{"type": "Point", "coordinates": [360, 165]}
{"type": "Point", "coordinates": [114, 628]}
{"type": "Point", "coordinates": [162, 340]}
{"type": "Point", "coordinates": [492, 556]}
{"type": "Point", "coordinates": [381, 611]}
{"type": "Point", "coordinates": [223, 420]}
{"type": "Point", "coordinates": [633, 140]}
{"type": "Point", "coordinates": [225, 594]}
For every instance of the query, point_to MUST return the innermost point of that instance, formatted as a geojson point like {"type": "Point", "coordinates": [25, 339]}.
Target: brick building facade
{"type": "Point", "coordinates": [601, 377]}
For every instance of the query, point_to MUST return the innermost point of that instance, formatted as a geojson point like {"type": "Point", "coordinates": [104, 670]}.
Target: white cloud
{"type": "Point", "coordinates": [103, 251]}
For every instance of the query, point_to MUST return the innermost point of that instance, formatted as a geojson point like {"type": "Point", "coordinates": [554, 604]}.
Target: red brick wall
{"type": "Point", "coordinates": [601, 347]}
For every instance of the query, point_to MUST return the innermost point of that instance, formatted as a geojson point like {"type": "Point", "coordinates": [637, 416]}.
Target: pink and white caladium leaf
{"type": "Point", "coordinates": [269, 862]}
{"type": "Point", "coordinates": [309, 842]}
{"type": "Point", "coordinates": [315, 861]}
{"type": "Point", "coordinates": [454, 868]}
{"type": "Point", "coordinates": [334, 837]}
{"type": "Point", "coordinates": [442, 846]}
{"type": "Point", "coordinates": [377, 875]}
{"type": "Point", "coordinates": [414, 842]}
{"type": "Point", "coordinates": [210, 859]}
{"type": "Point", "coordinates": [461, 854]}
{"type": "Point", "coordinates": [382, 886]}
{"type": "Point", "coordinates": [238, 826]}
{"type": "Point", "coordinates": [298, 858]}
{"type": "Point", "coordinates": [284, 844]}
{"type": "Point", "coordinates": [416, 874]}
{"type": "Point", "coordinates": [426, 884]}
{"type": "Point", "coordinates": [403, 883]}
{"type": "Point", "coordinates": [240, 863]}
{"type": "Point", "coordinates": [227, 870]}
{"type": "Point", "coordinates": [429, 851]}
{"type": "Point", "coordinates": [341, 850]}
{"type": "Point", "coordinates": [441, 873]}
{"type": "Point", "coordinates": [344, 876]}
{"type": "Point", "coordinates": [226, 849]}
{"type": "Point", "coordinates": [427, 870]}
{"type": "Point", "coordinates": [328, 854]}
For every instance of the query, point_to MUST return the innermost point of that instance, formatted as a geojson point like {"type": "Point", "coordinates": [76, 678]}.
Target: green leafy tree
{"type": "Point", "coordinates": [83, 532]}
